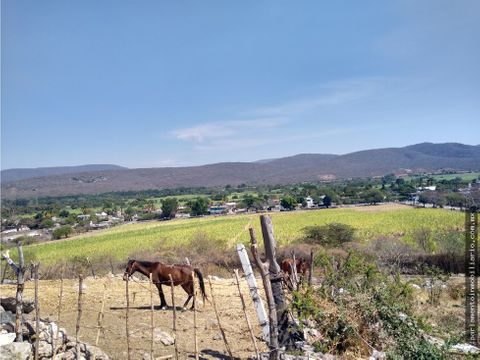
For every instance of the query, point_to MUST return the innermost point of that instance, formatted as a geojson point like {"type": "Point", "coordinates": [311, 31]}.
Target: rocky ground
{"type": "Point", "coordinates": [113, 339]}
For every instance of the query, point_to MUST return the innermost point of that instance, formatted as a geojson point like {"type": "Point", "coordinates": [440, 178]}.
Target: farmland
{"type": "Point", "coordinates": [118, 243]}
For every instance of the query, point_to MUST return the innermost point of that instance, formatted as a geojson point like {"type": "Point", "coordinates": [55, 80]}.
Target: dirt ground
{"type": "Point", "coordinates": [113, 340]}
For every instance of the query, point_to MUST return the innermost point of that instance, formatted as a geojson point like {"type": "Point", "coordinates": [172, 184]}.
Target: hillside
{"type": "Point", "coordinates": [425, 157]}
{"type": "Point", "coordinates": [22, 174]}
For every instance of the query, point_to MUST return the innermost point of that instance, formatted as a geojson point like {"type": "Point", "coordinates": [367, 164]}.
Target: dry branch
{"type": "Point", "coordinates": [272, 311]}
{"type": "Point", "coordinates": [222, 331]}
{"type": "Point", "coordinates": [151, 316]}
{"type": "Point", "coordinates": [244, 308]}
{"type": "Point", "coordinates": [172, 286]}
{"type": "Point", "coordinates": [127, 311]}
{"type": "Point", "coordinates": [195, 317]}
{"type": "Point", "coordinates": [37, 312]}
{"type": "Point", "coordinates": [79, 315]}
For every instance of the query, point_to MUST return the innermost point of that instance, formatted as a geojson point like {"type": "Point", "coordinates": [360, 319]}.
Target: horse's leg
{"type": "Point", "coordinates": [188, 287]}
{"type": "Point", "coordinates": [163, 303]}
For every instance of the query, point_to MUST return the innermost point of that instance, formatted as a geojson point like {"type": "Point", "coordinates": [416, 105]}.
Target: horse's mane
{"type": "Point", "coordinates": [151, 263]}
{"type": "Point", "coordinates": [144, 262]}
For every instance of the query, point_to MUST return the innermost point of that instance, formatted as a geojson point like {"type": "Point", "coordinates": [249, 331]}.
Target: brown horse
{"type": "Point", "coordinates": [181, 275]}
{"type": "Point", "coordinates": [301, 265]}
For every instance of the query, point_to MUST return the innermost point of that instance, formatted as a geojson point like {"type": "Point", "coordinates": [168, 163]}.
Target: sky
{"type": "Point", "coordinates": [177, 83]}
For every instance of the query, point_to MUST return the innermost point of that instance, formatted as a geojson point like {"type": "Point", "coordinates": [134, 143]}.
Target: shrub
{"type": "Point", "coordinates": [332, 234]}
{"type": "Point", "coordinates": [357, 305]}
{"type": "Point", "coordinates": [63, 231]}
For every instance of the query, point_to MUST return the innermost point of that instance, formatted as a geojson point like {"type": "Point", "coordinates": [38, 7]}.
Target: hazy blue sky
{"type": "Point", "coordinates": [169, 83]}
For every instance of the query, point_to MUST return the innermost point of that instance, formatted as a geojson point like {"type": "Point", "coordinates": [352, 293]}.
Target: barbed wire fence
{"type": "Point", "coordinates": [97, 317]}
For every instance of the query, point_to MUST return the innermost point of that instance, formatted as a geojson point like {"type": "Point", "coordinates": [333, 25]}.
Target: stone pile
{"type": "Point", "coordinates": [54, 343]}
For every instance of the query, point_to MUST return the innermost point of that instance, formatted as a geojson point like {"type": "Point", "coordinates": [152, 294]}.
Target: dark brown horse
{"type": "Point", "coordinates": [181, 275]}
{"type": "Point", "coordinates": [301, 265]}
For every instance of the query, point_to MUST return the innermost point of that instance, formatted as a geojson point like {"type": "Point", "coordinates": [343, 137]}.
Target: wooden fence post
{"type": "Point", "coordinates": [172, 286]}
{"type": "Point", "coordinates": [295, 281]}
{"type": "Point", "coordinates": [79, 315]}
{"type": "Point", "coordinates": [227, 346]}
{"type": "Point", "coordinates": [127, 312]}
{"type": "Point", "coordinates": [244, 308]}
{"type": "Point", "coordinates": [195, 317]}
{"type": "Point", "coordinates": [37, 312]}
{"type": "Point", "coordinates": [4, 272]}
{"type": "Point", "coordinates": [151, 317]}
{"type": "Point", "coordinates": [60, 296]}
{"type": "Point", "coordinates": [19, 295]}
{"type": "Point", "coordinates": [310, 272]}
{"type": "Point", "coordinates": [100, 315]}
{"type": "Point", "coordinates": [272, 311]}
{"type": "Point", "coordinates": [254, 292]}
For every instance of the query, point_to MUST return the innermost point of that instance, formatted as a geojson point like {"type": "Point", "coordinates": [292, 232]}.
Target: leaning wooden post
{"type": "Point", "coordinates": [272, 311]}
{"type": "Point", "coordinates": [60, 296]}
{"type": "Point", "coordinates": [244, 308]}
{"type": "Point", "coordinates": [172, 286]}
{"type": "Point", "coordinates": [295, 281]}
{"type": "Point", "coordinates": [195, 317]}
{"type": "Point", "coordinates": [151, 317]}
{"type": "Point", "coordinates": [79, 315]}
{"type": "Point", "coordinates": [100, 315]}
{"type": "Point", "coordinates": [227, 346]}
{"type": "Point", "coordinates": [276, 277]}
{"type": "Point", "coordinates": [127, 312]}
{"type": "Point", "coordinates": [254, 292]}
{"type": "Point", "coordinates": [4, 272]}
{"type": "Point", "coordinates": [310, 272]}
{"type": "Point", "coordinates": [37, 312]}
{"type": "Point", "coordinates": [19, 295]}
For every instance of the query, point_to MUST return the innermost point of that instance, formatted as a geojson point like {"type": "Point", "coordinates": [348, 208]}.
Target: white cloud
{"type": "Point", "coordinates": [331, 94]}
{"type": "Point", "coordinates": [220, 130]}
{"type": "Point", "coordinates": [262, 126]}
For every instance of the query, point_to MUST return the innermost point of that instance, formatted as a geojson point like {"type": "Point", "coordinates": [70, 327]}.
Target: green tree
{"type": "Point", "coordinates": [327, 201]}
{"type": "Point", "coordinates": [199, 206]}
{"type": "Point", "coordinates": [373, 196]}
{"type": "Point", "coordinates": [63, 213]}
{"type": "Point", "coordinates": [169, 208]}
{"type": "Point", "coordinates": [63, 231]}
{"type": "Point", "coordinates": [129, 212]}
{"type": "Point", "coordinates": [288, 202]}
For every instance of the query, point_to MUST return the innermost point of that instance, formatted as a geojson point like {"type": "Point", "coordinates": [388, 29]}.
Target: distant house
{"type": "Point", "coordinates": [431, 188]}
{"type": "Point", "coordinates": [272, 205]}
{"type": "Point", "coordinates": [309, 202]}
{"type": "Point", "coordinates": [102, 216]}
{"type": "Point", "coordinates": [83, 217]}
{"type": "Point", "coordinates": [218, 209]}
{"type": "Point", "coordinates": [231, 207]}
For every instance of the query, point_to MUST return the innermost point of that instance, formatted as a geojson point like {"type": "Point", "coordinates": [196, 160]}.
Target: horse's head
{"type": "Point", "coordinates": [129, 270]}
{"type": "Point", "coordinates": [302, 266]}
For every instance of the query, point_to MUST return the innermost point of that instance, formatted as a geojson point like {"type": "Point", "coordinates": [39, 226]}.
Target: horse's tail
{"type": "Point", "coordinates": [202, 284]}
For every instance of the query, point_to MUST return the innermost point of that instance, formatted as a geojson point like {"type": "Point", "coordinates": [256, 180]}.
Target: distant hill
{"type": "Point", "coordinates": [420, 158]}
{"type": "Point", "coordinates": [21, 174]}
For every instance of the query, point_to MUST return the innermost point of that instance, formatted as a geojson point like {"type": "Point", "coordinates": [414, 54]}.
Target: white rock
{"type": "Point", "coordinates": [16, 350]}
{"type": "Point", "coordinates": [6, 339]}
{"type": "Point", "coordinates": [378, 355]}
{"type": "Point", "coordinates": [465, 349]}
{"type": "Point", "coordinates": [162, 336]}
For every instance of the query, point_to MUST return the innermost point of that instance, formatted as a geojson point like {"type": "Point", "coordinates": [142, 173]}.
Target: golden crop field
{"type": "Point", "coordinates": [119, 242]}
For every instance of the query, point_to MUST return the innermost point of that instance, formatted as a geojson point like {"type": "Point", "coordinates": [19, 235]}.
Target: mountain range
{"type": "Point", "coordinates": [94, 179]}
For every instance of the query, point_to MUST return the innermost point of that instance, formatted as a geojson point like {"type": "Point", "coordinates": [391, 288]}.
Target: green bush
{"type": "Point", "coordinates": [332, 234]}
{"type": "Point", "coordinates": [63, 231]}
{"type": "Point", "coordinates": [356, 304]}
